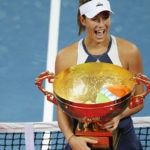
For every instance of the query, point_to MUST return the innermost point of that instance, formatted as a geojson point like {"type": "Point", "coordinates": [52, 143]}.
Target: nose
{"type": "Point", "coordinates": [101, 21]}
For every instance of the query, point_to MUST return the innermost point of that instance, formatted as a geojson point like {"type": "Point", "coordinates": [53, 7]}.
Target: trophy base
{"type": "Point", "coordinates": [104, 143]}
{"type": "Point", "coordinates": [93, 131]}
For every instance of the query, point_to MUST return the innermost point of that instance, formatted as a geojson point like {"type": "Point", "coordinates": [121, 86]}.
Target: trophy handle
{"type": "Point", "coordinates": [39, 80]}
{"type": "Point", "coordinates": [138, 99]}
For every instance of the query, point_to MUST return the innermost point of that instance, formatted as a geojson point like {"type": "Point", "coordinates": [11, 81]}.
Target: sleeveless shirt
{"type": "Point", "coordinates": [110, 56]}
{"type": "Point", "coordinates": [125, 125]}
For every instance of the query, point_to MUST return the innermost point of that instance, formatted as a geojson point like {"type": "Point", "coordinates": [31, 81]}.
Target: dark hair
{"type": "Point", "coordinates": [81, 27]}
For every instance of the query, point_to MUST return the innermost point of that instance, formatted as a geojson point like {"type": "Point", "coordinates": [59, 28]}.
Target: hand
{"type": "Point", "coordinates": [112, 124]}
{"type": "Point", "coordinates": [80, 143]}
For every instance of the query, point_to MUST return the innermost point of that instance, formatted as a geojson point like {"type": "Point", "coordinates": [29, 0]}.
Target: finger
{"type": "Point", "coordinates": [91, 140]}
{"type": "Point", "coordinates": [111, 128]}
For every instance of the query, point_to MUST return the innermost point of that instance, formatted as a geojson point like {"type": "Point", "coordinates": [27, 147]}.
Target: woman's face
{"type": "Point", "coordinates": [97, 28]}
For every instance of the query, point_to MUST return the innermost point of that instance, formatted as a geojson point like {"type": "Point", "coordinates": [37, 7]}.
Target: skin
{"type": "Point", "coordinates": [96, 40]}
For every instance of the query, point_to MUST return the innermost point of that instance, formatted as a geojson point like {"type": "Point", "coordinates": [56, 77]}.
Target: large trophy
{"type": "Point", "coordinates": [94, 93]}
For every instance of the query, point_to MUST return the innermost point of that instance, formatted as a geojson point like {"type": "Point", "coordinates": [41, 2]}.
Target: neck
{"type": "Point", "coordinates": [96, 48]}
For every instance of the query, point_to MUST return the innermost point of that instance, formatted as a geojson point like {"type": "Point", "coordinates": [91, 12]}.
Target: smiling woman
{"type": "Point", "coordinates": [99, 45]}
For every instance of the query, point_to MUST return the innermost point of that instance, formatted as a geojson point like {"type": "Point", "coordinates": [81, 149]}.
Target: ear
{"type": "Point", "coordinates": [83, 20]}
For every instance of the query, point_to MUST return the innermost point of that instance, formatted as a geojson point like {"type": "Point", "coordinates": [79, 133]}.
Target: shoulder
{"type": "Point", "coordinates": [129, 54]}
{"type": "Point", "coordinates": [68, 49]}
{"type": "Point", "coordinates": [68, 52]}
{"type": "Point", "coordinates": [126, 44]}
{"type": "Point", "coordinates": [66, 57]}
{"type": "Point", "coordinates": [127, 48]}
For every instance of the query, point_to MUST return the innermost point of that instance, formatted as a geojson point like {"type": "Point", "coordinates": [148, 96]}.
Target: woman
{"type": "Point", "coordinates": [99, 45]}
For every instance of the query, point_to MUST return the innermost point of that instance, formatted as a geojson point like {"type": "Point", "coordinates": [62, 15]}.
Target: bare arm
{"type": "Point", "coordinates": [132, 61]}
{"type": "Point", "coordinates": [64, 60]}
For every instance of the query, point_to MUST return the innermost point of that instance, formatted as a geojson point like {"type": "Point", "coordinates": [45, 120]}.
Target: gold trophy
{"type": "Point", "coordinates": [77, 90]}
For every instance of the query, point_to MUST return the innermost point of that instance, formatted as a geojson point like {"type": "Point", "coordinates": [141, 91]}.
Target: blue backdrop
{"type": "Point", "coordinates": [24, 27]}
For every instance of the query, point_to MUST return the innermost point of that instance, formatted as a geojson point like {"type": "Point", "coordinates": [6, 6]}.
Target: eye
{"type": "Point", "coordinates": [94, 19]}
{"type": "Point", "coordinates": [106, 15]}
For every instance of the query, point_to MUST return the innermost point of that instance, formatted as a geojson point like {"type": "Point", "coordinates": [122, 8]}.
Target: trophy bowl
{"type": "Point", "coordinates": [76, 90]}
{"type": "Point", "coordinates": [77, 87]}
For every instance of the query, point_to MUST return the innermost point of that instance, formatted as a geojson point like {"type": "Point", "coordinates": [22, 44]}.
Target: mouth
{"type": "Point", "coordinates": [99, 33]}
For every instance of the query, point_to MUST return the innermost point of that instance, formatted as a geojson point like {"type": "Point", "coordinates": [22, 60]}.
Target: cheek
{"type": "Point", "coordinates": [89, 29]}
{"type": "Point", "coordinates": [108, 24]}
{"type": "Point", "coordinates": [91, 25]}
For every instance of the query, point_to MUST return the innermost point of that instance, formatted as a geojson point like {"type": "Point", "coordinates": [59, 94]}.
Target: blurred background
{"type": "Point", "coordinates": [24, 34]}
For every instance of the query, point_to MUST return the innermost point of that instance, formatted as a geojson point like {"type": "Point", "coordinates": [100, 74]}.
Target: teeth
{"type": "Point", "coordinates": [100, 31]}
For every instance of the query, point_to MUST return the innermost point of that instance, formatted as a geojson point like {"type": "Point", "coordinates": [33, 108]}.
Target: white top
{"type": "Point", "coordinates": [111, 54]}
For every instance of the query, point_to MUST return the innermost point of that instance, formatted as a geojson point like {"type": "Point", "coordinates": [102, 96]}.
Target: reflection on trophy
{"type": "Point", "coordinates": [94, 93]}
